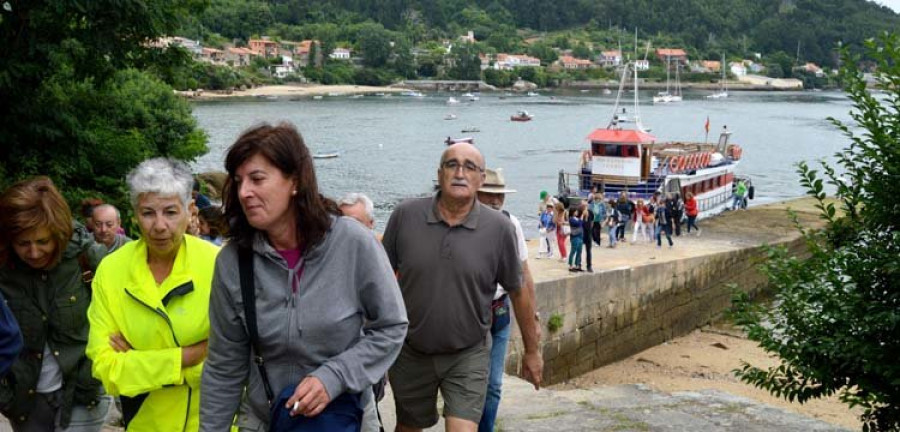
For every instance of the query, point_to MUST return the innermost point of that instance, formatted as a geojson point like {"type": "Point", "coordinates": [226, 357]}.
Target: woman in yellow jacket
{"type": "Point", "coordinates": [149, 314]}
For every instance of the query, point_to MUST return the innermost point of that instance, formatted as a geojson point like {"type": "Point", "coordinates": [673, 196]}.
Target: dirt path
{"type": "Point", "coordinates": [704, 359]}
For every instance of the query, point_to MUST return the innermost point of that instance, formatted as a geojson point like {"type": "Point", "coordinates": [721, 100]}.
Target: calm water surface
{"type": "Point", "coordinates": [390, 146]}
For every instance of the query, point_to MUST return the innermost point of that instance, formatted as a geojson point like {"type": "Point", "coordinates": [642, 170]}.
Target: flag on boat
{"type": "Point", "coordinates": [707, 124]}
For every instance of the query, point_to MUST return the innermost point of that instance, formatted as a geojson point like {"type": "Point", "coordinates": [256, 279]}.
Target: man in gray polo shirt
{"type": "Point", "coordinates": [450, 252]}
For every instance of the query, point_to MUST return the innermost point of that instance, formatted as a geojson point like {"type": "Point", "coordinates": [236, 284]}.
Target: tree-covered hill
{"type": "Point", "coordinates": [740, 27]}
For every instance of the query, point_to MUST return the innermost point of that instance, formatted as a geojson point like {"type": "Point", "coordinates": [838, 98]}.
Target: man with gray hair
{"type": "Point", "coordinates": [450, 252]}
{"type": "Point", "coordinates": [359, 207]}
{"type": "Point", "coordinates": [107, 223]}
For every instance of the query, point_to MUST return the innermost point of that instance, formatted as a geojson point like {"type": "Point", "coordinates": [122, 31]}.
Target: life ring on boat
{"type": "Point", "coordinates": [673, 164]}
{"type": "Point", "coordinates": [682, 163]}
{"type": "Point", "coordinates": [706, 158]}
{"type": "Point", "coordinates": [692, 161]}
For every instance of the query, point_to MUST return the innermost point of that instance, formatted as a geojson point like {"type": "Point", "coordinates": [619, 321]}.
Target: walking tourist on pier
{"type": "Point", "coordinates": [307, 293]}
{"type": "Point", "coordinates": [44, 257]}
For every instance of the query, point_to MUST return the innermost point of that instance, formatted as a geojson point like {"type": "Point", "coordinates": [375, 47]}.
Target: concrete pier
{"type": "Point", "coordinates": [640, 296]}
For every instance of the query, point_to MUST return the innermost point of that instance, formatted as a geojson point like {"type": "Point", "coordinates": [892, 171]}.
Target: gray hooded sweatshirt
{"type": "Point", "coordinates": [344, 325]}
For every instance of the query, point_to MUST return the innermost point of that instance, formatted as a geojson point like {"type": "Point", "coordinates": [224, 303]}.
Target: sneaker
{"type": "Point", "coordinates": [572, 270]}
{"type": "Point", "coordinates": [590, 270]}
{"type": "Point", "coordinates": [578, 269]}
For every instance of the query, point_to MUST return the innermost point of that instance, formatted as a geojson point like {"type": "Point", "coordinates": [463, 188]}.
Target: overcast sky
{"type": "Point", "coordinates": [893, 4]}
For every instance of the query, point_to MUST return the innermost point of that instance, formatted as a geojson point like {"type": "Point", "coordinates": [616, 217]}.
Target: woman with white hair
{"type": "Point", "coordinates": [149, 314]}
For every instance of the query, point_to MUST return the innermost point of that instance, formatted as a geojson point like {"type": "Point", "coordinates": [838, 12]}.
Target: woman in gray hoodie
{"type": "Point", "coordinates": [330, 315]}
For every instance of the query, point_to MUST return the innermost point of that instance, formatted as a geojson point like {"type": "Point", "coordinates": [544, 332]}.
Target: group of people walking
{"type": "Point", "coordinates": [585, 221]}
{"type": "Point", "coordinates": [293, 321]}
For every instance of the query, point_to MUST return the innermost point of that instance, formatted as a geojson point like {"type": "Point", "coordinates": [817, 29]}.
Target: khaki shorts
{"type": "Point", "coordinates": [461, 378]}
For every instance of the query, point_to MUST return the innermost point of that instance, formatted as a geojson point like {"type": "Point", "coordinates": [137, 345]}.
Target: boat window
{"type": "Point", "coordinates": [614, 150]}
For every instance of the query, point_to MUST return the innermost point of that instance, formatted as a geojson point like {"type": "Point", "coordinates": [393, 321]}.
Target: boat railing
{"type": "Point", "coordinates": [582, 184]}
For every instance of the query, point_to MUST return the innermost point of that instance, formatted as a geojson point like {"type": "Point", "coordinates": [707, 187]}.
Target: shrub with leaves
{"type": "Point", "coordinates": [835, 319]}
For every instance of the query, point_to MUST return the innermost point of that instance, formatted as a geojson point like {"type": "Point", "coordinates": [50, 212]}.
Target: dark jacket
{"type": "Point", "coordinates": [51, 308]}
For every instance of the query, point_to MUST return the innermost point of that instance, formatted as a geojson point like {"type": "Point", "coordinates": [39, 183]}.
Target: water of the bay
{"type": "Point", "coordinates": [390, 146]}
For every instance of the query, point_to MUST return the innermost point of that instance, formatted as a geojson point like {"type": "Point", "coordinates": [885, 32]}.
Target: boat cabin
{"type": "Point", "coordinates": [618, 156]}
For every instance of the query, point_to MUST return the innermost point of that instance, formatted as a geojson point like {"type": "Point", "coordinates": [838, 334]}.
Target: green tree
{"type": "Point", "coordinates": [83, 116]}
{"type": "Point", "coordinates": [375, 44]}
{"type": "Point", "coordinates": [582, 51]}
{"type": "Point", "coordinates": [835, 321]}
{"type": "Point", "coordinates": [403, 63]}
{"type": "Point", "coordinates": [544, 52]}
{"type": "Point", "coordinates": [466, 64]}
{"type": "Point", "coordinates": [784, 62]}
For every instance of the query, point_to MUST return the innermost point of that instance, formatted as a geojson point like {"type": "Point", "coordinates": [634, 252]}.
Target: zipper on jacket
{"type": "Point", "coordinates": [187, 412]}
{"type": "Point", "coordinates": [159, 312]}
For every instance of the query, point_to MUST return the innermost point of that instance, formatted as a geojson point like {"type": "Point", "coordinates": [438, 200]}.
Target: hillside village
{"type": "Point", "coordinates": [285, 60]}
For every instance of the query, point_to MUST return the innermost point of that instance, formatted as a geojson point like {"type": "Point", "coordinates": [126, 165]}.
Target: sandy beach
{"type": "Point", "coordinates": [294, 91]}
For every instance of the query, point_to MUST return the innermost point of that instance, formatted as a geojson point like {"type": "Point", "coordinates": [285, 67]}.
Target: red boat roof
{"type": "Point", "coordinates": [621, 136]}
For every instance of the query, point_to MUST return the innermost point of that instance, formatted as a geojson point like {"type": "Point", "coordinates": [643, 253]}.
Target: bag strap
{"type": "Point", "coordinates": [248, 295]}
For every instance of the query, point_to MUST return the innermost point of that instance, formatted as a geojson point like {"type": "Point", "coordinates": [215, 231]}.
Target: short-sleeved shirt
{"type": "Point", "coordinates": [521, 248]}
{"type": "Point", "coordinates": [448, 275]}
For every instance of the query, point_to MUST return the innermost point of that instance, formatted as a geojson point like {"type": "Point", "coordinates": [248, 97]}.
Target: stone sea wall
{"type": "Point", "coordinates": [616, 313]}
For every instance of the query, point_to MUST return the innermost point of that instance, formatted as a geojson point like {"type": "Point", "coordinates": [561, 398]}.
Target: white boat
{"type": "Point", "coordinates": [633, 161]}
{"type": "Point", "coordinates": [533, 94]}
{"type": "Point", "coordinates": [668, 96]}
{"type": "Point", "coordinates": [452, 101]}
{"type": "Point", "coordinates": [451, 141]}
{"type": "Point", "coordinates": [522, 116]}
{"type": "Point", "coordinates": [607, 91]}
{"type": "Point", "coordinates": [412, 93]}
{"type": "Point", "coordinates": [471, 129]}
{"type": "Point", "coordinates": [356, 96]}
{"type": "Point", "coordinates": [723, 85]}
{"type": "Point", "coordinates": [317, 97]}
{"type": "Point", "coordinates": [326, 155]}
{"type": "Point", "coordinates": [450, 117]}
{"type": "Point", "coordinates": [470, 97]}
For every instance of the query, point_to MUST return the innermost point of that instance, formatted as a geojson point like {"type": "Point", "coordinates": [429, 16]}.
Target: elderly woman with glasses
{"type": "Point", "coordinates": [43, 257]}
{"type": "Point", "coordinates": [149, 316]}
{"type": "Point", "coordinates": [328, 312]}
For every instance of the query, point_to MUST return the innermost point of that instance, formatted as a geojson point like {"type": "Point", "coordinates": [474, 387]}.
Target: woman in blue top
{"type": "Point", "coordinates": [576, 239]}
{"type": "Point", "coordinates": [547, 227]}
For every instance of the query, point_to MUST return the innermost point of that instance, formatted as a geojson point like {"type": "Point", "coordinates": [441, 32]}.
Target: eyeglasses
{"type": "Point", "coordinates": [468, 166]}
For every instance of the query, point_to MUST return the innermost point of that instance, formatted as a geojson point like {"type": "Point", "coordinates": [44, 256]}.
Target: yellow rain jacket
{"type": "Point", "coordinates": [156, 393]}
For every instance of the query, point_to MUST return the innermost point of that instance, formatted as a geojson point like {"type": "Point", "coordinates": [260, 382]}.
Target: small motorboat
{"type": "Point", "coordinates": [533, 94]}
{"type": "Point", "coordinates": [521, 116]}
{"type": "Point", "coordinates": [470, 97]}
{"type": "Point", "coordinates": [451, 141]}
{"type": "Point", "coordinates": [412, 93]}
{"type": "Point", "coordinates": [471, 129]}
{"type": "Point", "coordinates": [450, 117]}
{"type": "Point", "coordinates": [326, 155]}
{"type": "Point", "coordinates": [317, 97]}
{"type": "Point", "coordinates": [452, 101]}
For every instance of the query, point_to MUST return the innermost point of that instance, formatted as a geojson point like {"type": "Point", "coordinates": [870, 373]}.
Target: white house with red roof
{"type": "Point", "coordinates": [610, 58]}
{"type": "Point", "coordinates": [571, 63]}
